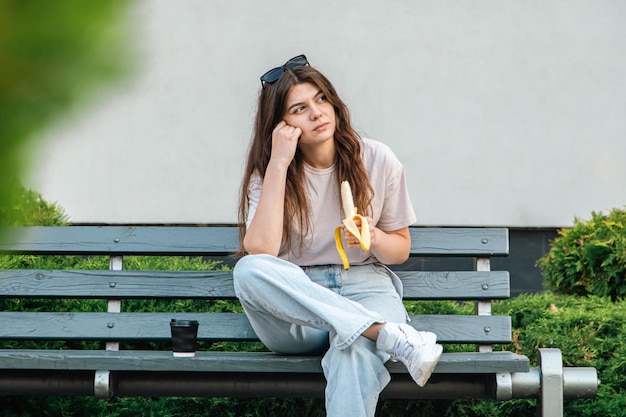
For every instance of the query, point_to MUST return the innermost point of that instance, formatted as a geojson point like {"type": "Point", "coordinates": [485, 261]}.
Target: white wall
{"type": "Point", "coordinates": [504, 112]}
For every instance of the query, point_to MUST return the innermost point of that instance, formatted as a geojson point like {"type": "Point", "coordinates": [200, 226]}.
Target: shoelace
{"type": "Point", "coordinates": [406, 344]}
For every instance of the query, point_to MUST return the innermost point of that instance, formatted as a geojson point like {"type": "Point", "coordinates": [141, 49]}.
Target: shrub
{"type": "Point", "coordinates": [28, 208]}
{"type": "Point", "coordinates": [589, 258]}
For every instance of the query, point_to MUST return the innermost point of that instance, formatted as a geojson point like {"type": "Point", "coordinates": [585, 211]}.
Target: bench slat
{"type": "Point", "coordinates": [459, 241]}
{"type": "Point", "coordinates": [455, 285]}
{"type": "Point", "coordinates": [117, 240]}
{"type": "Point", "coordinates": [116, 284]}
{"type": "Point", "coordinates": [208, 241]}
{"type": "Point", "coordinates": [218, 284]}
{"type": "Point", "coordinates": [215, 326]}
{"type": "Point", "coordinates": [128, 360]}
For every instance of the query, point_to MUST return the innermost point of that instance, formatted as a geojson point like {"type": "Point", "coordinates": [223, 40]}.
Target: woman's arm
{"type": "Point", "coordinates": [391, 247]}
{"type": "Point", "coordinates": [264, 234]}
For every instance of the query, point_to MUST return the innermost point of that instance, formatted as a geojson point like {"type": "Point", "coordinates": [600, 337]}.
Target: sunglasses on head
{"type": "Point", "coordinates": [274, 74]}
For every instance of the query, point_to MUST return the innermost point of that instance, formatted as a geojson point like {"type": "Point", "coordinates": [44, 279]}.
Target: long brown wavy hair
{"type": "Point", "coordinates": [348, 161]}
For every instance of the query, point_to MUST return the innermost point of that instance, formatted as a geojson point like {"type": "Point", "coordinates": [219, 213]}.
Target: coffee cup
{"type": "Point", "coordinates": [184, 336]}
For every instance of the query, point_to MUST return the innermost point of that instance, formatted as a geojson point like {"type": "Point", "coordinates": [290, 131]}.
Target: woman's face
{"type": "Point", "coordinates": [308, 109]}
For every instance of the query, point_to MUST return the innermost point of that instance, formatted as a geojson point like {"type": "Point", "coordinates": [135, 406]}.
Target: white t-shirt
{"type": "Point", "coordinates": [391, 207]}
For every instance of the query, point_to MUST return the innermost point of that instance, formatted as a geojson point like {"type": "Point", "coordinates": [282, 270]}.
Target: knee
{"type": "Point", "coordinates": [247, 265]}
{"type": "Point", "coordinates": [250, 263]}
{"type": "Point", "coordinates": [250, 269]}
{"type": "Point", "coordinates": [244, 270]}
{"type": "Point", "coordinates": [242, 267]}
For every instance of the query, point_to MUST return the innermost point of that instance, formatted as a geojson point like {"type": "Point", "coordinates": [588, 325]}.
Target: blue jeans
{"type": "Point", "coordinates": [296, 310]}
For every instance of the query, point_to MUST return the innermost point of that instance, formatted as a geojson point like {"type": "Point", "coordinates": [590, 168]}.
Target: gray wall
{"type": "Point", "coordinates": [504, 112]}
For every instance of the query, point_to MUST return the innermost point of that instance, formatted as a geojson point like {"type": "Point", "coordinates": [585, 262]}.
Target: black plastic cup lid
{"type": "Point", "coordinates": [188, 323]}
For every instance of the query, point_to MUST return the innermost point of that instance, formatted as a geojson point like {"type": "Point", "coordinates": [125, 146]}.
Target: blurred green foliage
{"type": "Point", "coordinates": [27, 208]}
{"type": "Point", "coordinates": [53, 55]}
{"type": "Point", "coordinates": [590, 257]}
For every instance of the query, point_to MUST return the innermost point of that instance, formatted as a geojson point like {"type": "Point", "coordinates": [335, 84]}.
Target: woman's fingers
{"type": "Point", "coordinates": [351, 240]}
{"type": "Point", "coordinates": [285, 142]}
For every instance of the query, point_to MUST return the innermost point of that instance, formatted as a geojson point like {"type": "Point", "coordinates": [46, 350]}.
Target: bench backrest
{"type": "Point", "coordinates": [114, 324]}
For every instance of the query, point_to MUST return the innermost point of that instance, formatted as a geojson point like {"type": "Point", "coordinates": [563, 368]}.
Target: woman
{"type": "Point", "coordinates": [292, 284]}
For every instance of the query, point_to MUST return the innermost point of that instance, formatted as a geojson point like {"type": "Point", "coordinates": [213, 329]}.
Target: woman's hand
{"type": "Point", "coordinates": [392, 247]}
{"type": "Point", "coordinates": [284, 143]}
{"type": "Point", "coordinates": [352, 241]}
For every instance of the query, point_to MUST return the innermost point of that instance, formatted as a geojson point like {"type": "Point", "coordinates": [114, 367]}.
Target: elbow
{"type": "Point", "coordinates": [392, 258]}
{"type": "Point", "coordinates": [398, 259]}
{"type": "Point", "coordinates": [402, 258]}
{"type": "Point", "coordinates": [259, 247]}
{"type": "Point", "coordinates": [393, 255]}
{"type": "Point", "coordinates": [261, 251]}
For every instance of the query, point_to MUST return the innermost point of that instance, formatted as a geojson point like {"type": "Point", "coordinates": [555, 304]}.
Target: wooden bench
{"type": "Point", "coordinates": [110, 371]}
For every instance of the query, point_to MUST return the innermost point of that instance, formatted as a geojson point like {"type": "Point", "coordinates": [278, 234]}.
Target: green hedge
{"type": "Point", "coordinates": [589, 257]}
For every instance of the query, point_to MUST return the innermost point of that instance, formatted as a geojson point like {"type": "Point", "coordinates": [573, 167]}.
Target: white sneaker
{"type": "Point", "coordinates": [418, 351]}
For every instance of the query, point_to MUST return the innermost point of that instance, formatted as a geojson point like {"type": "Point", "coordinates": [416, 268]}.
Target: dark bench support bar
{"type": "Point", "coordinates": [296, 386]}
{"type": "Point", "coordinates": [72, 383]}
{"type": "Point", "coordinates": [245, 385]}
{"type": "Point", "coordinates": [237, 385]}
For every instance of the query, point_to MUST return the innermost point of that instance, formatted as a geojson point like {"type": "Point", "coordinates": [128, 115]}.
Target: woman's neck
{"type": "Point", "coordinates": [319, 156]}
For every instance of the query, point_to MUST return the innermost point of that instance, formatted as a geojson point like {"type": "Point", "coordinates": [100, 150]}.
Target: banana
{"type": "Point", "coordinates": [350, 213]}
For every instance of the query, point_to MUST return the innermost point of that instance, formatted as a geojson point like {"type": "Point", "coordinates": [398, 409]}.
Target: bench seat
{"type": "Point", "coordinates": [130, 360]}
{"type": "Point", "coordinates": [215, 326]}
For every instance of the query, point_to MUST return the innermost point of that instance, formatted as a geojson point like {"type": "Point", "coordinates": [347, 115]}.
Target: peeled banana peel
{"type": "Point", "coordinates": [350, 213]}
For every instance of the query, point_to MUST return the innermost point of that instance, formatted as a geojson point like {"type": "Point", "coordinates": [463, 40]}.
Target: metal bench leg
{"type": "Point", "coordinates": [550, 402]}
{"type": "Point", "coordinates": [102, 385]}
